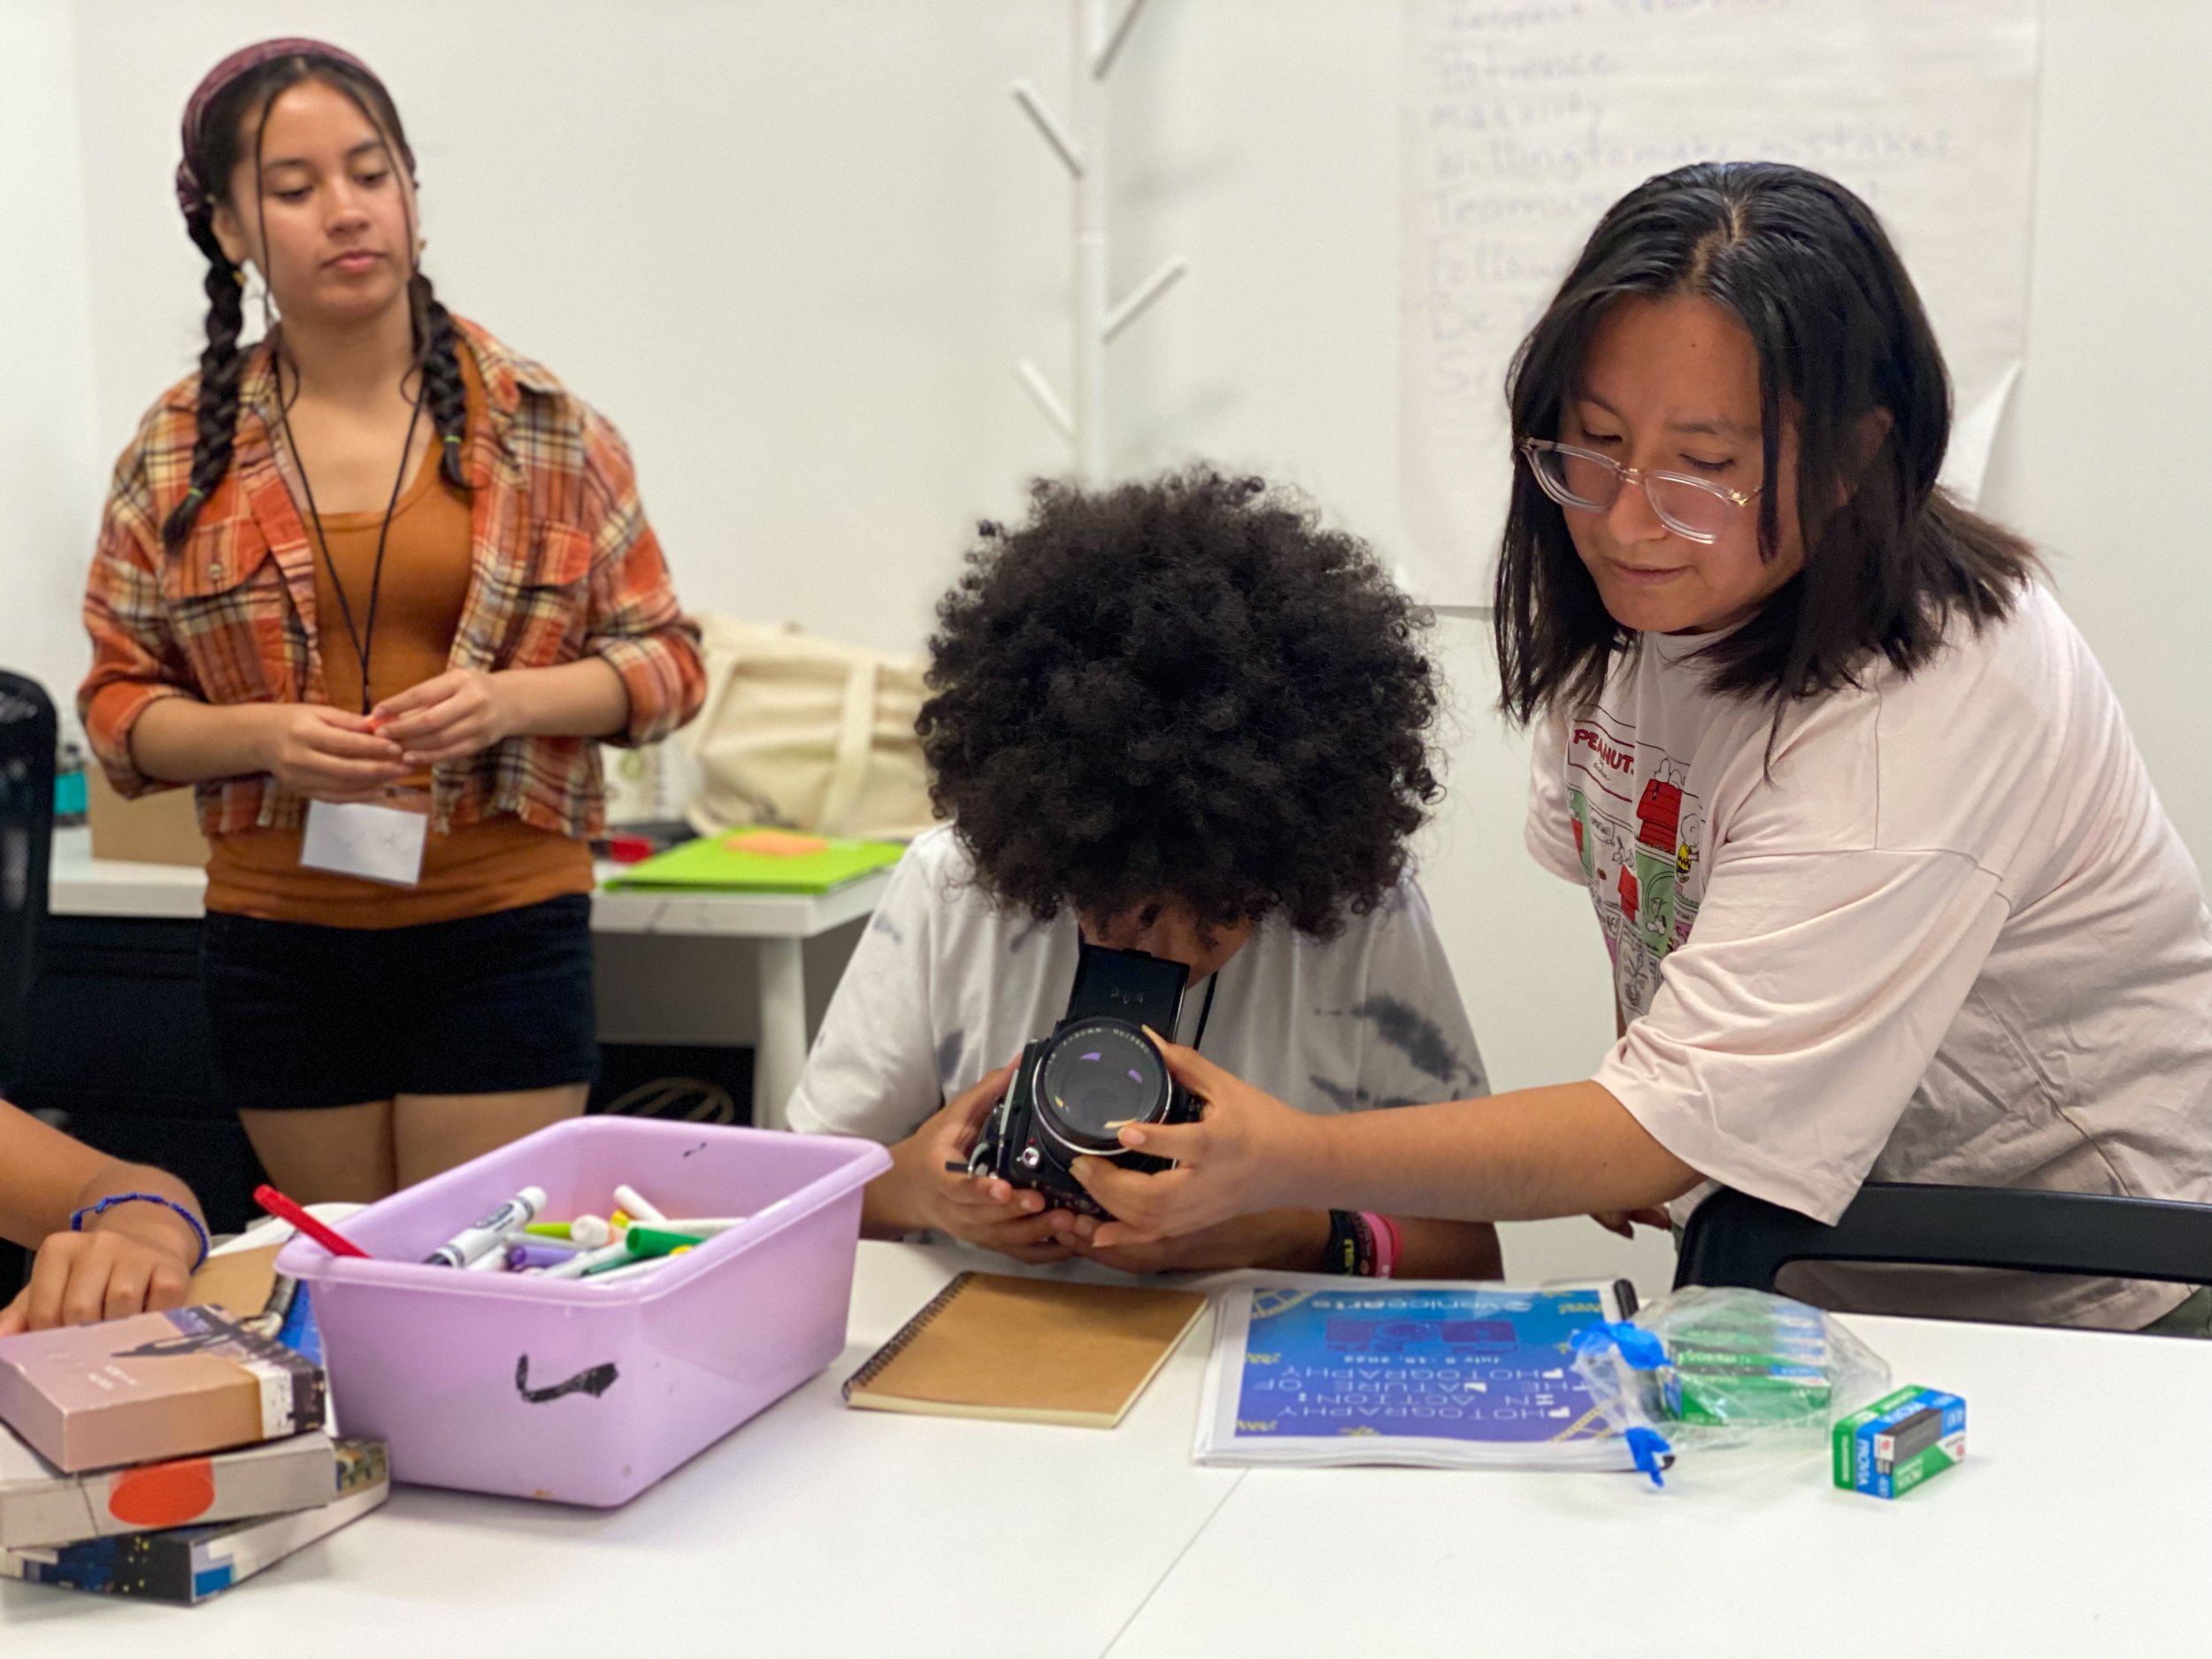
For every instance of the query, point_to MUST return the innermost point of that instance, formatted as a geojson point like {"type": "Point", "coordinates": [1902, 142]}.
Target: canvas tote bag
{"type": "Point", "coordinates": [808, 733]}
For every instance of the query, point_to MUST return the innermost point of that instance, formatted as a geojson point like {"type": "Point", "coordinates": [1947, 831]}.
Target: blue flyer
{"type": "Point", "coordinates": [1438, 1374]}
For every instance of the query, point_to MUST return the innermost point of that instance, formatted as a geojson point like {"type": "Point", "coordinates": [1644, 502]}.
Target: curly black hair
{"type": "Point", "coordinates": [1184, 691]}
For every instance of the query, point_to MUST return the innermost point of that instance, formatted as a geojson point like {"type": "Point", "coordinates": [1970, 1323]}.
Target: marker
{"type": "Point", "coordinates": [584, 1260]}
{"type": "Point", "coordinates": [702, 1227]}
{"type": "Point", "coordinates": [587, 1232]}
{"type": "Point", "coordinates": [648, 1242]}
{"type": "Point", "coordinates": [633, 1269]}
{"type": "Point", "coordinates": [519, 1256]}
{"type": "Point", "coordinates": [633, 1201]}
{"type": "Point", "coordinates": [482, 1238]}
{"type": "Point", "coordinates": [284, 1210]}
{"type": "Point", "coordinates": [523, 1235]}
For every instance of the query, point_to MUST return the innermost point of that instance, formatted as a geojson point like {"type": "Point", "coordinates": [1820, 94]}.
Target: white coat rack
{"type": "Point", "coordinates": [1098, 320]}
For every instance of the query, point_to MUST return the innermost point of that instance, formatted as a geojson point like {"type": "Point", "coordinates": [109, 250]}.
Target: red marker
{"type": "Point", "coordinates": [284, 1210]}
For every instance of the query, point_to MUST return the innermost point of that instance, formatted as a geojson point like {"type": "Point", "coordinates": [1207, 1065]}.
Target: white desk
{"type": "Point", "coordinates": [2078, 1525]}
{"type": "Point", "coordinates": [777, 923]}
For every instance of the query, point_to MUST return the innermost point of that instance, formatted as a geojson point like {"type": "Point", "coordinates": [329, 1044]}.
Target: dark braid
{"type": "Point", "coordinates": [221, 366]}
{"type": "Point", "coordinates": [217, 140]}
{"type": "Point", "coordinates": [443, 392]}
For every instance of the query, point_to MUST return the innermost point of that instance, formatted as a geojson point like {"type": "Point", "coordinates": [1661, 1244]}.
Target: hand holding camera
{"type": "Point", "coordinates": [921, 1192]}
{"type": "Point", "coordinates": [1076, 1094]}
{"type": "Point", "coordinates": [1249, 1152]}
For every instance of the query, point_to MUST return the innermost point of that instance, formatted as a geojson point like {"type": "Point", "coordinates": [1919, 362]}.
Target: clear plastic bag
{"type": "Point", "coordinates": [1710, 1369]}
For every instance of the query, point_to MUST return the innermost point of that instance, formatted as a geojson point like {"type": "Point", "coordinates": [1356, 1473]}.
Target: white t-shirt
{"type": "Point", "coordinates": [1952, 937]}
{"type": "Point", "coordinates": [944, 986]}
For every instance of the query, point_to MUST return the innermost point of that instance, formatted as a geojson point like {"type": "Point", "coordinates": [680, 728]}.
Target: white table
{"type": "Point", "coordinates": [2078, 1524]}
{"type": "Point", "coordinates": [777, 923]}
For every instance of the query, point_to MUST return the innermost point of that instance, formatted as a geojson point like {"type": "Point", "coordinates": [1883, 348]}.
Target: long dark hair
{"type": "Point", "coordinates": [1804, 265]}
{"type": "Point", "coordinates": [220, 144]}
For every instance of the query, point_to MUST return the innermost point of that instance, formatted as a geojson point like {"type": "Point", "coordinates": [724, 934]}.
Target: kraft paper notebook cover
{"type": "Point", "coordinates": [1027, 1350]}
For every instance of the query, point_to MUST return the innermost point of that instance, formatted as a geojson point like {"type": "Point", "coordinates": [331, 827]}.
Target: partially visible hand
{"type": "Point", "coordinates": [326, 753]}
{"type": "Point", "coordinates": [125, 1264]}
{"type": "Point", "coordinates": [1623, 1221]}
{"type": "Point", "coordinates": [921, 1190]}
{"type": "Point", "coordinates": [451, 717]}
{"type": "Point", "coordinates": [1294, 1240]}
{"type": "Point", "coordinates": [1247, 1152]}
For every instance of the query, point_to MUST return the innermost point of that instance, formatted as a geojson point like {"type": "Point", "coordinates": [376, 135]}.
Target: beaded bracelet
{"type": "Point", "coordinates": [94, 1212]}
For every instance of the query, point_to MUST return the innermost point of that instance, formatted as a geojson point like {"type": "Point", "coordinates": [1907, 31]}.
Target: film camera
{"type": "Point", "coordinates": [1075, 1089]}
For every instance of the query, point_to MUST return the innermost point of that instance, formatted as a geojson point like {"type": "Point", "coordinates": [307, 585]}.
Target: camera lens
{"type": "Point", "coordinates": [1101, 1074]}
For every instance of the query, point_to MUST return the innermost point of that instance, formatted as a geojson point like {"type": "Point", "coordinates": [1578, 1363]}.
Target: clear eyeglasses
{"type": "Point", "coordinates": [1586, 482]}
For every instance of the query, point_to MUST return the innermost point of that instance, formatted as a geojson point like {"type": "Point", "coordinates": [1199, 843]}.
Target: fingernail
{"type": "Point", "coordinates": [1131, 1136]}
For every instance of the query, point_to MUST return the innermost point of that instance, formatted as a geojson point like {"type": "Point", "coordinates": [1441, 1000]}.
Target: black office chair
{"type": "Point", "coordinates": [27, 739]}
{"type": "Point", "coordinates": [1736, 1239]}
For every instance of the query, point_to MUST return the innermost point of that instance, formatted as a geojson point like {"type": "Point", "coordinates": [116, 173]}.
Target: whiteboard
{"type": "Point", "coordinates": [1523, 120]}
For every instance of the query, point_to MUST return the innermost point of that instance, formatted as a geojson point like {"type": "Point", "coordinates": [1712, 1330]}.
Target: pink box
{"type": "Point", "coordinates": [525, 1387]}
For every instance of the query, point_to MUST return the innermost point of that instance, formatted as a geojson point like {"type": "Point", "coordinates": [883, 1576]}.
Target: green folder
{"type": "Point", "coordinates": [707, 865]}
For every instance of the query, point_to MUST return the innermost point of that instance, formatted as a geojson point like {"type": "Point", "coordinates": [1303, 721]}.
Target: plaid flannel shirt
{"type": "Point", "coordinates": [565, 566]}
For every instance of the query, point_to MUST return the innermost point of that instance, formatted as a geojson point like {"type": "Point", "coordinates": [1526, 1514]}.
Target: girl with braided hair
{"type": "Point", "coordinates": [373, 585]}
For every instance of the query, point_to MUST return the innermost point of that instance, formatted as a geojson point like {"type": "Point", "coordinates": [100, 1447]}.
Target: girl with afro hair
{"type": "Point", "coordinates": [1184, 718]}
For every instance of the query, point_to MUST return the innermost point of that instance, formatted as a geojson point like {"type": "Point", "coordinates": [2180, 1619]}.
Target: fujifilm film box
{"type": "Point", "coordinates": [1901, 1442]}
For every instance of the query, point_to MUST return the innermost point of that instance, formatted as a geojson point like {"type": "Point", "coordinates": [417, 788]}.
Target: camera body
{"type": "Point", "coordinates": [1075, 1089]}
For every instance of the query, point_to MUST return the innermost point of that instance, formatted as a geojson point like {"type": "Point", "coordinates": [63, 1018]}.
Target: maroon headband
{"type": "Point", "coordinates": [196, 195]}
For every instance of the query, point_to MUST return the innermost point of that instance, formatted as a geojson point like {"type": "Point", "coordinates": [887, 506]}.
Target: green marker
{"type": "Point", "coordinates": [648, 1241]}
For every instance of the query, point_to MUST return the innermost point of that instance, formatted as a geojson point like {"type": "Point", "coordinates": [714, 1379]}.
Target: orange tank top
{"type": "Point", "coordinates": [499, 864]}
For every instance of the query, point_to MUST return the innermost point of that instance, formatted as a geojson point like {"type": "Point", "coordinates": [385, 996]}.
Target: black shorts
{"type": "Point", "coordinates": [303, 1015]}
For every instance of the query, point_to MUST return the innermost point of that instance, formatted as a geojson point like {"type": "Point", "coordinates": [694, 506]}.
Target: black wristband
{"type": "Point", "coordinates": [1342, 1255]}
{"type": "Point", "coordinates": [1351, 1245]}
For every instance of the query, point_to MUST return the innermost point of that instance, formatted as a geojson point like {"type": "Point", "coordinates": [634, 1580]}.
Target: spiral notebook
{"type": "Point", "coordinates": [1027, 1350]}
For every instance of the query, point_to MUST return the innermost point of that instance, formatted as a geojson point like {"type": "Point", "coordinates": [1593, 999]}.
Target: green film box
{"type": "Point", "coordinates": [1901, 1442]}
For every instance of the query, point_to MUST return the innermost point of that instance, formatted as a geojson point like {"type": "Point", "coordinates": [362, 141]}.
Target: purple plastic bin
{"type": "Point", "coordinates": [530, 1387]}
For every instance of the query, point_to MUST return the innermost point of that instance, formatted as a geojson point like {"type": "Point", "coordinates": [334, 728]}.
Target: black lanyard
{"type": "Point", "coordinates": [364, 638]}
{"type": "Point", "coordinates": [1213, 984]}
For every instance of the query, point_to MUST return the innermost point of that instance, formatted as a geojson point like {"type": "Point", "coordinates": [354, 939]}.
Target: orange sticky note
{"type": "Point", "coordinates": [775, 843]}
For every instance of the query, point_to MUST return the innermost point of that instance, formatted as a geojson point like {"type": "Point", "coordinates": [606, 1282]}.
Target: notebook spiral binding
{"type": "Point", "coordinates": [883, 1357]}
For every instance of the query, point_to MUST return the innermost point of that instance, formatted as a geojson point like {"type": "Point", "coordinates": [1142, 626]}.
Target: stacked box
{"type": "Point", "coordinates": [40, 1504]}
{"type": "Point", "coordinates": [172, 1454]}
{"type": "Point", "coordinates": [154, 1386]}
{"type": "Point", "coordinates": [1745, 1366]}
{"type": "Point", "coordinates": [1901, 1442]}
{"type": "Point", "coordinates": [190, 1563]}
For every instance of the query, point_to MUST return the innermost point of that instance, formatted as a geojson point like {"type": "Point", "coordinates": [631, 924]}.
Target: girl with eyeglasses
{"type": "Point", "coordinates": [1885, 887]}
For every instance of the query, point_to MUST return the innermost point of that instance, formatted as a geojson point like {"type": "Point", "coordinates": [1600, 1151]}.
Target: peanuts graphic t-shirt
{"type": "Point", "coordinates": [1943, 933]}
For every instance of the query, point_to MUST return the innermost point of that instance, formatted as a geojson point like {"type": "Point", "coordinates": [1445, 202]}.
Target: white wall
{"type": "Point", "coordinates": [52, 471]}
{"type": "Point", "coordinates": [792, 247]}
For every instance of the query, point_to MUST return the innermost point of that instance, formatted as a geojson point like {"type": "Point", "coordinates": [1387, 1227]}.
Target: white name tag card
{"type": "Point", "coordinates": [377, 843]}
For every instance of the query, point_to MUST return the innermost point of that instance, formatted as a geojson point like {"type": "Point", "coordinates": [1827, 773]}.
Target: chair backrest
{"type": "Point", "coordinates": [1734, 1239]}
{"type": "Point", "coordinates": [28, 738]}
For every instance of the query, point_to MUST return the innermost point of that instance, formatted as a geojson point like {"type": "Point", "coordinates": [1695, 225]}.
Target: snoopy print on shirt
{"type": "Point", "coordinates": [1641, 835]}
